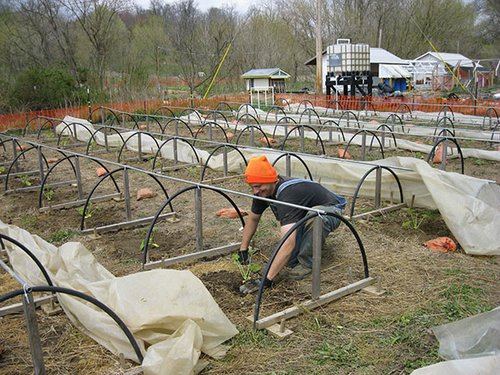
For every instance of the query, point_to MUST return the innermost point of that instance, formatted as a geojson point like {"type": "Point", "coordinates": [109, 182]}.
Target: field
{"type": "Point", "coordinates": [358, 334]}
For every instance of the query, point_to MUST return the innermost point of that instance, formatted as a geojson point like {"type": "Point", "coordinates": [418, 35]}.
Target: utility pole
{"type": "Point", "coordinates": [319, 52]}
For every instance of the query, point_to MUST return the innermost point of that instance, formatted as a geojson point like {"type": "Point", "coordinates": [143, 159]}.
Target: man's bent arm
{"type": "Point", "coordinates": [284, 252]}
{"type": "Point", "coordinates": [249, 230]}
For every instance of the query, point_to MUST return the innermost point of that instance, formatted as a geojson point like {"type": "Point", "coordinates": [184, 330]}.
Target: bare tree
{"type": "Point", "coordinates": [272, 37]}
{"type": "Point", "coordinates": [199, 41]}
{"type": "Point", "coordinates": [98, 19]}
{"type": "Point", "coordinates": [63, 35]}
{"type": "Point", "coordinates": [29, 34]}
{"type": "Point", "coordinates": [148, 48]}
{"type": "Point", "coordinates": [488, 30]}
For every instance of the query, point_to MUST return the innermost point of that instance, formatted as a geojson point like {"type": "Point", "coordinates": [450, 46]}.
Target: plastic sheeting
{"type": "Point", "coordinates": [171, 314]}
{"type": "Point", "coordinates": [489, 365]}
{"type": "Point", "coordinates": [475, 336]}
{"type": "Point", "coordinates": [469, 206]}
{"type": "Point", "coordinates": [403, 144]}
{"type": "Point", "coordinates": [471, 346]}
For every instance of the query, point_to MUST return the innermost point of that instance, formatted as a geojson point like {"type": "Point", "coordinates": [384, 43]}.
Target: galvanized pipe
{"type": "Point", "coordinates": [78, 177]}
{"type": "Point", "coordinates": [126, 194]}
{"type": "Point", "coordinates": [198, 221]}
{"type": "Point", "coordinates": [316, 262]}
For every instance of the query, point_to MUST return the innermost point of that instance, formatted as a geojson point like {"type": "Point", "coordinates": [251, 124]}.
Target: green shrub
{"type": "Point", "coordinates": [41, 88]}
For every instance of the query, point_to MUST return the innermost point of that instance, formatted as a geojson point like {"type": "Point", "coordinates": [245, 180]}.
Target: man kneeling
{"type": "Point", "coordinates": [296, 251]}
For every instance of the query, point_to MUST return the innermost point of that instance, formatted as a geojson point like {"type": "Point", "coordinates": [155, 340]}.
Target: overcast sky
{"type": "Point", "coordinates": [240, 5]}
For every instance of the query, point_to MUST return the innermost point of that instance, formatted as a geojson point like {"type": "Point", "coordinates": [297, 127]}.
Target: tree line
{"type": "Point", "coordinates": [65, 52]}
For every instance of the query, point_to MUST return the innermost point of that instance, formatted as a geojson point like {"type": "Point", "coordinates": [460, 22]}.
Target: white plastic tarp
{"type": "Point", "coordinates": [469, 206]}
{"type": "Point", "coordinates": [471, 337]}
{"type": "Point", "coordinates": [170, 313]}
{"type": "Point", "coordinates": [471, 346]}
{"type": "Point", "coordinates": [488, 365]}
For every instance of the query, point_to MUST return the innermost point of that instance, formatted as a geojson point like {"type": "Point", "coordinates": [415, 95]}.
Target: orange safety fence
{"type": "Point", "coordinates": [20, 119]}
{"type": "Point", "coordinates": [478, 107]}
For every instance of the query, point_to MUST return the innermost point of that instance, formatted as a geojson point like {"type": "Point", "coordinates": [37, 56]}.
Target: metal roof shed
{"type": "Point", "coordinates": [393, 71]}
{"type": "Point", "coordinates": [382, 56]}
{"type": "Point", "coordinates": [454, 60]}
{"type": "Point", "coordinates": [268, 79]}
{"type": "Point", "coordinates": [463, 69]}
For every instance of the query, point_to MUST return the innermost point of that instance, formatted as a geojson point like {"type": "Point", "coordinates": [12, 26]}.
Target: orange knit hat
{"type": "Point", "coordinates": [260, 171]}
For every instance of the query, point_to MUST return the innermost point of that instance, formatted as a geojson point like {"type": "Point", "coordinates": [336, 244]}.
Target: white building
{"type": "Point", "coordinates": [269, 79]}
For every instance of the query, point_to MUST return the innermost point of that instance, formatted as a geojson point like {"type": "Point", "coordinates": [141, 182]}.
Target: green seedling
{"type": "Point", "coordinates": [193, 172]}
{"type": "Point", "coordinates": [28, 221]}
{"type": "Point", "coordinates": [25, 180]}
{"type": "Point", "coordinates": [2, 170]}
{"type": "Point", "coordinates": [48, 193]}
{"type": "Point", "coordinates": [415, 219]}
{"type": "Point", "coordinates": [91, 209]}
{"type": "Point", "coordinates": [246, 270]}
{"type": "Point", "coordinates": [49, 134]}
{"type": "Point", "coordinates": [344, 354]}
{"type": "Point", "coordinates": [151, 243]}
{"type": "Point", "coordinates": [479, 162]}
{"type": "Point", "coordinates": [256, 338]}
{"type": "Point", "coordinates": [61, 236]}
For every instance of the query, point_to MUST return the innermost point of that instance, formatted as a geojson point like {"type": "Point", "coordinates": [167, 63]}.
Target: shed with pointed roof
{"type": "Point", "coordinates": [445, 70]}
{"type": "Point", "coordinates": [270, 79]}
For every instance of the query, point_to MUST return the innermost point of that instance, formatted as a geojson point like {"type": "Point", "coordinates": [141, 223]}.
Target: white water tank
{"type": "Point", "coordinates": [345, 57]}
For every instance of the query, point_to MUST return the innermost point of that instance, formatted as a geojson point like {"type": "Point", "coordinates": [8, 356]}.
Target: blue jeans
{"type": "Point", "coordinates": [303, 251]}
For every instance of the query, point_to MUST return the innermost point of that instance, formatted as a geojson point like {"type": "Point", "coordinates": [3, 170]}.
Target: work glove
{"type": "Point", "coordinates": [243, 257]}
{"type": "Point", "coordinates": [253, 285]}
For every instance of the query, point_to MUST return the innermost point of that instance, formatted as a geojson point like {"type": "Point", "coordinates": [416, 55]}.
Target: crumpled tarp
{"type": "Point", "coordinates": [170, 313]}
{"type": "Point", "coordinates": [471, 337]}
{"type": "Point", "coordinates": [469, 206]}
{"type": "Point", "coordinates": [488, 365]}
{"type": "Point", "coordinates": [470, 346]}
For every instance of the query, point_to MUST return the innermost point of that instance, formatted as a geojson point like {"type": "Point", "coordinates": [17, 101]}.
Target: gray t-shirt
{"type": "Point", "coordinates": [300, 192]}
